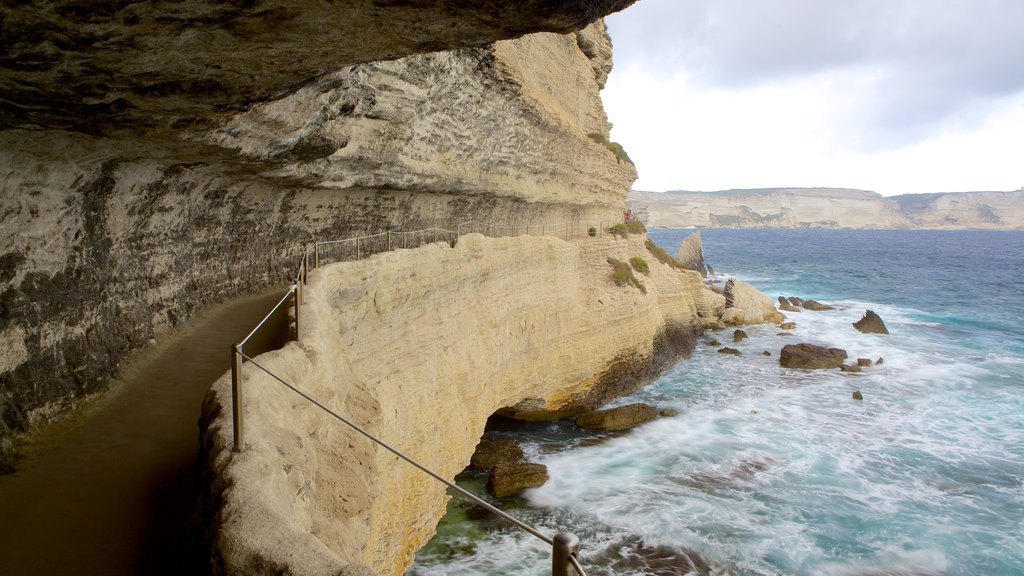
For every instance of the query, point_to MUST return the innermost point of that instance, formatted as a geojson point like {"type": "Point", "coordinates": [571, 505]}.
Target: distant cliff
{"type": "Point", "coordinates": [829, 208]}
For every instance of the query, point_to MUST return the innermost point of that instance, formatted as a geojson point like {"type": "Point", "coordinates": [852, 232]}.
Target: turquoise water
{"type": "Point", "coordinates": [774, 471]}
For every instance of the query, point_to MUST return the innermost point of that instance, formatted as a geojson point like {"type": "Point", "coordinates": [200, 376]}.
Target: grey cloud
{"type": "Point", "coordinates": [936, 60]}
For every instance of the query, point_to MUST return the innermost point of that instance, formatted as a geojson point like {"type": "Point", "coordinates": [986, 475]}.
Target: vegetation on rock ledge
{"type": "Point", "coordinates": [622, 275]}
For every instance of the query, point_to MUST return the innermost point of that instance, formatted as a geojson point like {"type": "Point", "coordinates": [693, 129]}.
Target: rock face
{"type": "Point", "coordinates": [619, 418]}
{"type": "Point", "coordinates": [488, 453]}
{"type": "Point", "coordinates": [165, 203]}
{"type": "Point", "coordinates": [509, 479]}
{"type": "Point", "coordinates": [744, 304]}
{"type": "Point", "coordinates": [187, 65]}
{"type": "Point", "coordinates": [829, 208]}
{"type": "Point", "coordinates": [811, 356]}
{"type": "Point", "coordinates": [871, 323]}
{"type": "Point", "coordinates": [691, 253]}
{"type": "Point", "coordinates": [531, 327]}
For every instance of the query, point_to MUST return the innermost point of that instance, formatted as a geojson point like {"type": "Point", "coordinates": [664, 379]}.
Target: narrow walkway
{"type": "Point", "coordinates": [112, 490]}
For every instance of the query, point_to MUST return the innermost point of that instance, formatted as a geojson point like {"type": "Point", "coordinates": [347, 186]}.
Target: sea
{"type": "Point", "coordinates": [767, 470]}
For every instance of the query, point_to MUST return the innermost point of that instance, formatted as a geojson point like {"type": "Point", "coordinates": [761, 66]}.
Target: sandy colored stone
{"type": "Point", "coordinates": [618, 418]}
{"type": "Point", "coordinates": [488, 453]}
{"type": "Point", "coordinates": [744, 304]}
{"type": "Point", "coordinates": [533, 323]}
{"type": "Point", "coordinates": [511, 478]}
{"type": "Point", "coordinates": [691, 253]}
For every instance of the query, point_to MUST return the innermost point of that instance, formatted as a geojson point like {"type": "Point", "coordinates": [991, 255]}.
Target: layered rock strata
{"type": "Point", "coordinates": [533, 327]}
{"type": "Point", "coordinates": [829, 208]}
{"type": "Point", "coordinates": [114, 236]}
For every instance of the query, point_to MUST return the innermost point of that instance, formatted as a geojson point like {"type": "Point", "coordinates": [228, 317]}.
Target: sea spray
{"type": "Point", "coordinates": [768, 470]}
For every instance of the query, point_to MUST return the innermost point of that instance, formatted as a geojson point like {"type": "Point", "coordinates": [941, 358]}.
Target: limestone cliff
{"type": "Point", "coordinates": [166, 185]}
{"type": "Point", "coordinates": [829, 208]}
{"type": "Point", "coordinates": [406, 340]}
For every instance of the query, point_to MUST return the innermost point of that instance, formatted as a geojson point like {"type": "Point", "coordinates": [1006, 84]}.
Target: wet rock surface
{"type": "Point", "coordinates": [620, 418]}
{"type": "Point", "coordinates": [871, 323]}
{"type": "Point", "coordinates": [511, 478]}
{"type": "Point", "coordinates": [811, 356]}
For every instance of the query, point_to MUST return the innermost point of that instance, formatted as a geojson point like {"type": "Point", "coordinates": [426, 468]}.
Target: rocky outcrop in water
{"type": "Point", "coordinates": [691, 253]}
{"type": "Point", "coordinates": [829, 208]}
{"type": "Point", "coordinates": [871, 323]}
{"type": "Point", "coordinates": [618, 418]}
{"type": "Point", "coordinates": [811, 356]}
{"type": "Point", "coordinates": [744, 304]}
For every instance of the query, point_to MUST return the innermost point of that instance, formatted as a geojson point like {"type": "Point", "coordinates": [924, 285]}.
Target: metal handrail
{"type": "Point", "coordinates": [564, 542]}
{"type": "Point", "coordinates": [283, 299]}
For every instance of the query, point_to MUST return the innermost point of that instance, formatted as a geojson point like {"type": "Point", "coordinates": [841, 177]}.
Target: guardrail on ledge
{"type": "Point", "coordinates": [564, 545]}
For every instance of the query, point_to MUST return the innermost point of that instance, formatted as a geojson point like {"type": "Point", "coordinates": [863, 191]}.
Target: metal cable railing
{"type": "Point", "coordinates": [563, 543]}
{"type": "Point", "coordinates": [565, 546]}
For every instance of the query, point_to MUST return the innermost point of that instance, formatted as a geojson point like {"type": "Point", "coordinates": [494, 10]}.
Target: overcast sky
{"type": "Point", "coordinates": [895, 96]}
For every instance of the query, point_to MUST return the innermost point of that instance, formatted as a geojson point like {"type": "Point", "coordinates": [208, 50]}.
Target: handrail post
{"type": "Point", "coordinates": [357, 248]}
{"type": "Point", "coordinates": [316, 254]}
{"type": "Point", "coordinates": [236, 395]}
{"type": "Point", "coordinates": [305, 267]}
{"type": "Point", "coordinates": [389, 240]}
{"type": "Point", "coordinates": [298, 307]}
{"type": "Point", "coordinates": [563, 545]}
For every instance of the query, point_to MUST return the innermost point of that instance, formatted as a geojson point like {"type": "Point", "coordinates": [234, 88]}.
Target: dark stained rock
{"type": "Point", "coordinates": [784, 334]}
{"type": "Point", "coordinates": [620, 418]}
{"type": "Point", "coordinates": [492, 452]}
{"type": "Point", "coordinates": [727, 350]}
{"type": "Point", "coordinates": [119, 65]}
{"type": "Point", "coordinates": [787, 325]}
{"type": "Point", "coordinates": [816, 306]}
{"type": "Point", "coordinates": [783, 301]}
{"type": "Point", "coordinates": [871, 324]}
{"type": "Point", "coordinates": [668, 412]}
{"type": "Point", "coordinates": [714, 343]}
{"type": "Point", "coordinates": [857, 395]}
{"type": "Point", "coordinates": [766, 353]}
{"type": "Point", "coordinates": [865, 362]}
{"type": "Point", "coordinates": [511, 478]}
{"type": "Point", "coordinates": [795, 301]}
{"type": "Point", "coordinates": [850, 368]}
{"type": "Point", "coordinates": [879, 361]}
{"type": "Point", "coordinates": [739, 335]}
{"type": "Point", "coordinates": [811, 356]}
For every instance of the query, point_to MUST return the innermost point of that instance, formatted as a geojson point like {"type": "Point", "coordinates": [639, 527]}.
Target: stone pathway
{"type": "Point", "coordinates": [111, 490]}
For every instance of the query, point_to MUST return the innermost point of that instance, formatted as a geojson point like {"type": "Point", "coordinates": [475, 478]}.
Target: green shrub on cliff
{"type": "Point", "coordinates": [663, 256]}
{"type": "Point", "coordinates": [622, 275]}
{"type": "Point", "coordinates": [640, 265]}
{"type": "Point", "coordinates": [619, 151]}
{"type": "Point", "coordinates": [625, 229]}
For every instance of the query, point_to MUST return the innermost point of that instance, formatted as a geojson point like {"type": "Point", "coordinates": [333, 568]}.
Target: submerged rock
{"type": "Point", "coordinates": [490, 453]}
{"type": "Point", "coordinates": [871, 323]}
{"type": "Point", "coordinates": [668, 412]}
{"type": "Point", "coordinates": [787, 325]}
{"type": "Point", "coordinates": [727, 350]}
{"type": "Point", "coordinates": [865, 362]}
{"type": "Point", "coordinates": [850, 368]}
{"type": "Point", "coordinates": [714, 343]}
{"type": "Point", "coordinates": [816, 306]}
{"type": "Point", "coordinates": [620, 418]}
{"type": "Point", "coordinates": [739, 335]}
{"type": "Point", "coordinates": [511, 478]}
{"type": "Point", "coordinates": [879, 361]}
{"type": "Point", "coordinates": [766, 353]}
{"type": "Point", "coordinates": [811, 356]}
{"type": "Point", "coordinates": [857, 395]}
